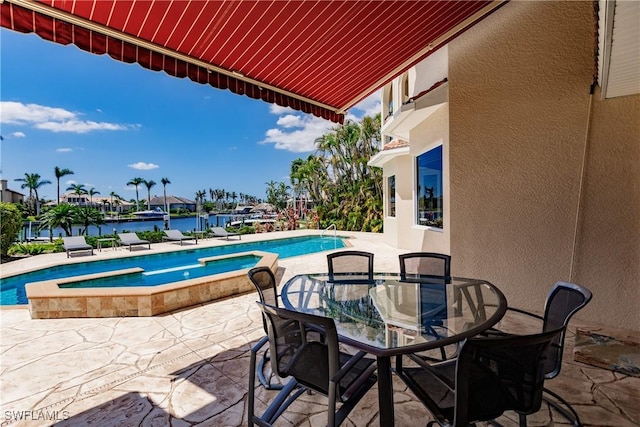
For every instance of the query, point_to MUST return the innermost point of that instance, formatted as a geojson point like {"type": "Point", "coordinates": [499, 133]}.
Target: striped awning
{"type": "Point", "coordinates": [320, 57]}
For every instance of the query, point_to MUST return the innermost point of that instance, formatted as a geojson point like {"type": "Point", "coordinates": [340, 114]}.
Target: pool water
{"type": "Point", "coordinates": [13, 291]}
{"type": "Point", "coordinates": [168, 275]}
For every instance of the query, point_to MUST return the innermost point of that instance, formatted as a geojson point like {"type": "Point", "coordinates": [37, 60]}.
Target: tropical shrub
{"type": "Point", "coordinates": [27, 249]}
{"type": "Point", "coordinates": [11, 223]}
{"type": "Point", "coordinates": [345, 190]}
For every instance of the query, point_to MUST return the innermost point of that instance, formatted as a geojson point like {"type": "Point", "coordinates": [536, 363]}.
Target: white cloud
{"type": "Point", "coordinates": [142, 166]}
{"type": "Point", "coordinates": [63, 150]}
{"type": "Point", "coordinates": [289, 121]}
{"type": "Point", "coordinates": [298, 133]}
{"type": "Point", "coordinates": [77, 126]}
{"type": "Point", "coordinates": [51, 118]}
{"type": "Point", "coordinates": [18, 134]}
{"type": "Point", "coordinates": [71, 182]}
{"type": "Point", "coordinates": [277, 109]}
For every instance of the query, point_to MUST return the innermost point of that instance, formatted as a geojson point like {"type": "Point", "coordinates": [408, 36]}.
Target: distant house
{"type": "Point", "coordinates": [174, 203]}
{"type": "Point", "coordinates": [102, 203]}
{"type": "Point", "coordinates": [10, 196]}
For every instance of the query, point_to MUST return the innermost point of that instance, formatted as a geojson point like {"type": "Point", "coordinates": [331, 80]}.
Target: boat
{"type": "Point", "coordinates": [250, 221]}
{"type": "Point", "coordinates": [155, 213]}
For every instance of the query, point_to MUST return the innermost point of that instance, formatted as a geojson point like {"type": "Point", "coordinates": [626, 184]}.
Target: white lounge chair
{"type": "Point", "coordinates": [177, 236]}
{"type": "Point", "coordinates": [132, 239]}
{"type": "Point", "coordinates": [76, 244]}
{"type": "Point", "coordinates": [221, 232]}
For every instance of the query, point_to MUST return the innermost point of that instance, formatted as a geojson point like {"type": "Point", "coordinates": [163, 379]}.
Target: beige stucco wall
{"type": "Point", "coordinates": [426, 136]}
{"type": "Point", "coordinates": [608, 251]}
{"type": "Point", "coordinates": [519, 109]}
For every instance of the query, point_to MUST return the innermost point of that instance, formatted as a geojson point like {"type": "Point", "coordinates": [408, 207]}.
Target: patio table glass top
{"type": "Point", "coordinates": [392, 315]}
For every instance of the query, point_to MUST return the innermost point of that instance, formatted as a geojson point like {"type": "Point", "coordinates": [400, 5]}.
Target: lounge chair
{"type": "Point", "coordinates": [221, 232]}
{"type": "Point", "coordinates": [177, 236]}
{"type": "Point", "coordinates": [76, 244]}
{"type": "Point", "coordinates": [132, 239]}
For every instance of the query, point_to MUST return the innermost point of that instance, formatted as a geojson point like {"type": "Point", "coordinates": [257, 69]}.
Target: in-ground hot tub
{"type": "Point", "coordinates": [88, 296]}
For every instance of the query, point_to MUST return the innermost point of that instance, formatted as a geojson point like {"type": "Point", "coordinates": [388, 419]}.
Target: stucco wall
{"type": "Point", "coordinates": [429, 134]}
{"type": "Point", "coordinates": [519, 106]}
{"type": "Point", "coordinates": [608, 251]}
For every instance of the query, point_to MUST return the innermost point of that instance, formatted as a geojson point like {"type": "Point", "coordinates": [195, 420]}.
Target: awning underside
{"type": "Point", "coordinates": [320, 57]}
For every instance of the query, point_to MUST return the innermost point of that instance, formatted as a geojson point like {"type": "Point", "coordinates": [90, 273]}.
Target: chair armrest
{"type": "Point", "coordinates": [260, 344]}
{"type": "Point", "coordinates": [433, 369]}
{"type": "Point", "coordinates": [347, 366]}
{"type": "Point", "coordinates": [526, 313]}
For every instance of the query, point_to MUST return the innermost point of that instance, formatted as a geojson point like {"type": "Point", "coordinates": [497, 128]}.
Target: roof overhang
{"type": "Point", "coordinates": [320, 57]}
{"type": "Point", "coordinates": [385, 156]}
{"type": "Point", "coordinates": [414, 112]}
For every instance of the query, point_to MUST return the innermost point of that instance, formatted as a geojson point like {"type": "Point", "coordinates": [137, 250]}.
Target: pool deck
{"type": "Point", "coordinates": [190, 367]}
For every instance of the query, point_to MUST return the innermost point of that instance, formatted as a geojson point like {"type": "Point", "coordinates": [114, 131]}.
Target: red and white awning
{"type": "Point", "coordinates": [320, 57]}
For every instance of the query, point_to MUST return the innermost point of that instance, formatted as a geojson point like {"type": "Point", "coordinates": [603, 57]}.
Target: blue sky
{"type": "Point", "coordinates": [110, 122]}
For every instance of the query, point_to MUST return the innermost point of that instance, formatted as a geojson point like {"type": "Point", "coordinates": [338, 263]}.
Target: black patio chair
{"type": "Point", "coordinates": [438, 267]}
{"type": "Point", "coordinates": [265, 283]}
{"type": "Point", "coordinates": [350, 266]}
{"type": "Point", "coordinates": [305, 348]}
{"type": "Point", "coordinates": [564, 300]}
{"type": "Point", "coordinates": [424, 263]}
{"type": "Point", "coordinates": [489, 377]}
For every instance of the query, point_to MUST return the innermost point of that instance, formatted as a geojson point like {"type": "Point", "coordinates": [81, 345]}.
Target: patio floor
{"type": "Point", "coordinates": [191, 367]}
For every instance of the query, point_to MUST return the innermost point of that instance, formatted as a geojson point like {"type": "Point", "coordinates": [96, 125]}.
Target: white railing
{"type": "Point", "coordinates": [335, 230]}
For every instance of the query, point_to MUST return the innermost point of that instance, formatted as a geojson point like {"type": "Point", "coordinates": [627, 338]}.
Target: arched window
{"type": "Point", "coordinates": [387, 100]}
{"type": "Point", "coordinates": [405, 87]}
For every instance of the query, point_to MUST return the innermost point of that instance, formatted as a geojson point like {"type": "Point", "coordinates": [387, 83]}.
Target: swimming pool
{"type": "Point", "coordinates": [13, 288]}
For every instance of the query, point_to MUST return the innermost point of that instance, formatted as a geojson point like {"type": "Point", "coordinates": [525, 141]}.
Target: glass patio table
{"type": "Point", "coordinates": [392, 315]}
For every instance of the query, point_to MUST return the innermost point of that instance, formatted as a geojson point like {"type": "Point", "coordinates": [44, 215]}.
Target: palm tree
{"type": "Point", "coordinates": [63, 216]}
{"type": "Point", "coordinates": [59, 174]}
{"type": "Point", "coordinates": [136, 182]}
{"type": "Point", "coordinates": [32, 182]}
{"type": "Point", "coordinates": [77, 189]}
{"type": "Point", "coordinates": [113, 195]}
{"type": "Point", "coordinates": [92, 192]}
{"type": "Point", "coordinates": [87, 217]}
{"type": "Point", "coordinates": [164, 182]}
{"type": "Point", "coordinates": [149, 185]}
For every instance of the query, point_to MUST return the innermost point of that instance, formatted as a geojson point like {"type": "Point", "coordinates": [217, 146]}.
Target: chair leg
{"type": "Point", "coordinates": [266, 383]}
{"type": "Point", "coordinates": [252, 379]}
{"type": "Point", "coordinates": [569, 413]}
{"type": "Point", "coordinates": [523, 420]}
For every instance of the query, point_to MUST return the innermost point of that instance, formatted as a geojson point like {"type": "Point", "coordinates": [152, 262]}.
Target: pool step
{"type": "Point", "coordinates": [169, 270]}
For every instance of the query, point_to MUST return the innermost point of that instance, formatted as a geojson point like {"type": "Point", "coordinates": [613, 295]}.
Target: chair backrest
{"type": "Point", "coordinates": [303, 346]}
{"type": "Point", "coordinates": [128, 237]}
{"type": "Point", "coordinates": [425, 263]}
{"type": "Point", "coordinates": [494, 375]}
{"type": "Point", "coordinates": [347, 265]}
{"type": "Point", "coordinates": [174, 234]}
{"type": "Point", "coordinates": [563, 301]}
{"type": "Point", "coordinates": [219, 230]}
{"type": "Point", "coordinates": [74, 240]}
{"type": "Point", "coordinates": [265, 283]}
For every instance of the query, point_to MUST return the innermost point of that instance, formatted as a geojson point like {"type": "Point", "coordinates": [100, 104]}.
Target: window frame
{"type": "Point", "coordinates": [391, 197]}
{"type": "Point", "coordinates": [416, 198]}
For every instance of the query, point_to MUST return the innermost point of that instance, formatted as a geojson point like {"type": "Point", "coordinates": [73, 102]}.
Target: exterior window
{"type": "Point", "coordinates": [429, 187]}
{"type": "Point", "coordinates": [387, 101]}
{"type": "Point", "coordinates": [391, 196]}
{"type": "Point", "coordinates": [405, 88]}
